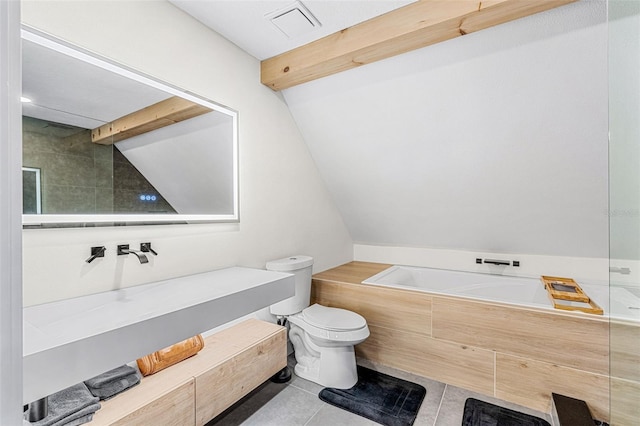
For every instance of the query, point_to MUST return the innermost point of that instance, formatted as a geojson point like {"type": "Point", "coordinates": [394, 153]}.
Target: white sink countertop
{"type": "Point", "coordinates": [73, 340]}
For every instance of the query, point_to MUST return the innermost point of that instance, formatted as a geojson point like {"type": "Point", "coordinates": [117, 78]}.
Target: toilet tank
{"type": "Point", "coordinates": [300, 266]}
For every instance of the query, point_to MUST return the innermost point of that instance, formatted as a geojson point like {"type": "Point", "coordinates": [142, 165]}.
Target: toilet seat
{"type": "Point", "coordinates": [333, 319]}
{"type": "Point", "coordinates": [352, 331]}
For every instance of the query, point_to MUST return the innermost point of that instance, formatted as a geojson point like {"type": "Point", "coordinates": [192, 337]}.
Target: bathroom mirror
{"type": "Point", "coordinates": [114, 147]}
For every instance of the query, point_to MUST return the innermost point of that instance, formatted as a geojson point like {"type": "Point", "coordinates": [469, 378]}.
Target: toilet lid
{"type": "Point", "coordinates": [333, 318]}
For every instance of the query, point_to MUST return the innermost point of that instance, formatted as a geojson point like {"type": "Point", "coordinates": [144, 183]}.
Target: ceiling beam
{"type": "Point", "coordinates": [411, 27]}
{"type": "Point", "coordinates": [161, 114]}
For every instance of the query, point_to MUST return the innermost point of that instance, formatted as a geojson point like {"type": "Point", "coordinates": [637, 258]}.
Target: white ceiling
{"type": "Point", "coordinates": [245, 24]}
{"type": "Point", "coordinates": [67, 90]}
{"type": "Point", "coordinates": [496, 141]}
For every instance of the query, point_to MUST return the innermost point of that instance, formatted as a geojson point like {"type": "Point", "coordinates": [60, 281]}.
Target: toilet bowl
{"type": "Point", "coordinates": [323, 340]}
{"type": "Point", "coordinates": [322, 337]}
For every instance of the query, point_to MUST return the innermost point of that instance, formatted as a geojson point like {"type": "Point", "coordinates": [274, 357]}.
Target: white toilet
{"type": "Point", "coordinates": [322, 337]}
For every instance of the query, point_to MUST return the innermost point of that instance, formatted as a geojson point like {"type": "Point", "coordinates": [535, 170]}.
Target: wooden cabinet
{"type": "Point", "coordinates": [233, 363]}
{"type": "Point", "coordinates": [174, 408]}
{"type": "Point", "coordinates": [259, 350]}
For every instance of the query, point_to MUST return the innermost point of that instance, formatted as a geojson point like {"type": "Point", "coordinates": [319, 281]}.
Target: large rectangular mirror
{"type": "Point", "coordinates": [113, 146]}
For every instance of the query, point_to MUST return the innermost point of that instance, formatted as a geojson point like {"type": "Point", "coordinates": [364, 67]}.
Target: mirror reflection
{"type": "Point", "coordinates": [110, 145]}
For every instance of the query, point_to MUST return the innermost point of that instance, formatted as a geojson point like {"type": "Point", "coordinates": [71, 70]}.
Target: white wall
{"type": "Point", "coordinates": [491, 142]}
{"type": "Point", "coordinates": [10, 217]}
{"type": "Point", "coordinates": [284, 206]}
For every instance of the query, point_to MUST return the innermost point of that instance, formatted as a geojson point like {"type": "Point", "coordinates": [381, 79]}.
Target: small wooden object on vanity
{"type": "Point", "coordinates": [167, 357]}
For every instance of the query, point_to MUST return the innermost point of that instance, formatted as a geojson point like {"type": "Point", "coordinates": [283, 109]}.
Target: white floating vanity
{"type": "Point", "coordinates": [70, 341]}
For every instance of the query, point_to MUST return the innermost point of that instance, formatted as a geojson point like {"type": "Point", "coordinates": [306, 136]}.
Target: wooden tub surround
{"type": "Point", "coordinates": [232, 363]}
{"type": "Point", "coordinates": [514, 353]}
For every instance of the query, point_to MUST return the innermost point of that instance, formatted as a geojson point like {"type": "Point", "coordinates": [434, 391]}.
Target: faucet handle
{"type": "Point", "coordinates": [146, 248]}
{"type": "Point", "coordinates": [96, 252]}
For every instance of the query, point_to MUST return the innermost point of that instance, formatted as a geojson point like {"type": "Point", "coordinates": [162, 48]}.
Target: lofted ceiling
{"type": "Point", "coordinates": [246, 23]}
{"type": "Point", "coordinates": [487, 142]}
{"type": "Point", "coordinates": [495, 141]}
{"type": "Point", "coordinates": [296, 47]}
{"type": "Point", "coordinates": [67, 90]}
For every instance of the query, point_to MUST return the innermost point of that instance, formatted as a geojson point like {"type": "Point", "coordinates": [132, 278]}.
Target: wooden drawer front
{"type": "Point", "coordinates": [625, 351]}
{"type": "Point", "coordinates": [175, 408]}
{"type": "Point", "coordinates": [530, 383]}
{"type": "Point", "coordinates": [220, 387]}
{"type": "Point", "coordinates": [383, 307]}
{"type": "Point", "coordinates": [579, 342]}
{"type": "Point", "coordinates": [459, 365]}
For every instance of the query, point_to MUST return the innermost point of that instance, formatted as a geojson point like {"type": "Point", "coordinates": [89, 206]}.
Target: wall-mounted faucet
{"type": "Point", "coordinates": [124, 249]}
{"type": "Point", "coordinates": [480, 261]}
{"type": "Point", "coordinates": [96, 252]}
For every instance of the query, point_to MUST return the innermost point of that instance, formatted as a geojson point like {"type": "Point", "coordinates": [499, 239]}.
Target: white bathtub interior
{"type": "Point", "coordinates": [520, 291]}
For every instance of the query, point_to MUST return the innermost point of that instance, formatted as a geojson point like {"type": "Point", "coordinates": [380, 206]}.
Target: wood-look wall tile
{"type": "Point", "coordinates": [530, 383]}
{"type": "Point", "coordinates": [459, 365]}
{"type": "Point", "coordinates": [578, 341]}
{"type": "Point", "coordinates": [625, 350]}
{"type": "Point", "coordinates": [625, 402]}
{"type": "Point", "coordinates": [380, 306]}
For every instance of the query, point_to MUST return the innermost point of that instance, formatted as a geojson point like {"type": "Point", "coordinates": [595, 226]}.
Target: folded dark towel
{"type": "Point", "coordinates": [81, 417]}
{"type": "Point", "coordinates": [77, 422]}
{"type": "Point", "coordinates": [68, 405]}
{"type": "Point", "coordinates": [113, 382]}
{"type": "Point", "coordinates": [111, 375]}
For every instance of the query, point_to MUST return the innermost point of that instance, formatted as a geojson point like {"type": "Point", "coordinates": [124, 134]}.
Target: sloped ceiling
{"type": "Point", "coordinates": [66, 90]}
{"type": "Point", "coordinates": [245, 22]}
{"type": "Point", "coordinates": [495, 141]}
{"type": "Point", "coordinates": [64, 87]}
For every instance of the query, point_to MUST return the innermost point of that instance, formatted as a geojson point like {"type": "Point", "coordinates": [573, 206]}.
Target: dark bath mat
{"type": "Point", "coordinates": [379, 397]}
{"type": "Point", "coordinates": [480, 413]}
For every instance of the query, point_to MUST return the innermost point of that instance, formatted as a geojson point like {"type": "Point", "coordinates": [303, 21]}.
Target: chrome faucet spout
{"type": "Point", "coordinates": [141, 256]}
{"type": "Point", "coordinates": [124, 249]}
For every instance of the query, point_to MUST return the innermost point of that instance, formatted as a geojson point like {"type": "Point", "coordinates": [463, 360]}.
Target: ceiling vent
{"type": "Point", "coordinates": [294, 20]}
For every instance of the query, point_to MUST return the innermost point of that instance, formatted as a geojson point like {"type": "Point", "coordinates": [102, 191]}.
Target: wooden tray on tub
{"type": "Point", "coordinates": [567, 295]}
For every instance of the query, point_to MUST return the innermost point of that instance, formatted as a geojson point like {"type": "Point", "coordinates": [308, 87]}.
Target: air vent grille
{"type": "Point", "coordinates": [294, 20]}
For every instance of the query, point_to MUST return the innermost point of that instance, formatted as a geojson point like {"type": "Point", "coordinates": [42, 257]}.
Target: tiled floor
{"type": "Point", "coordinates": [296, 403]}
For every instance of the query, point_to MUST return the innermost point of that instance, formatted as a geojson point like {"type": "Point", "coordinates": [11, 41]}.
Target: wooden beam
{"type": "Point", "coordinates": [161, 114]}
{"type": "Point", "coordinates": [411, 27]}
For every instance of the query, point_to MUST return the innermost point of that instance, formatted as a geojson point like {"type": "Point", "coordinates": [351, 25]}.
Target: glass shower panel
{"type": "Point", "coordinates": [624, 210]}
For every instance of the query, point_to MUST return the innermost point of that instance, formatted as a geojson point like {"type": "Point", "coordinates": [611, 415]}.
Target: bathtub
{"type": "Point", "coordinates": [520, 291]}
